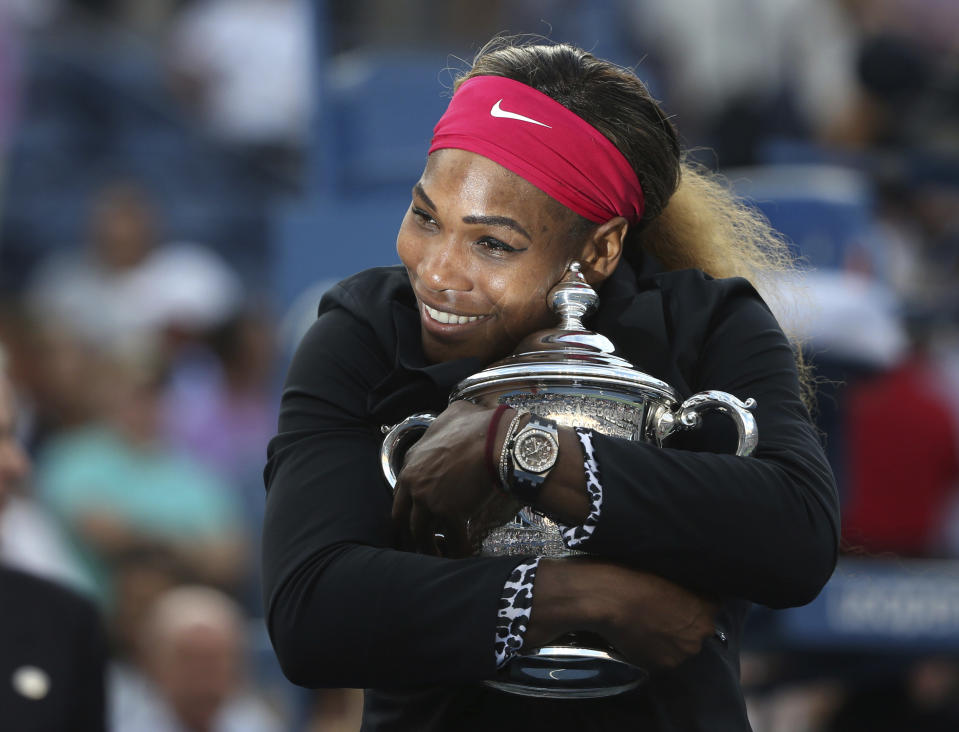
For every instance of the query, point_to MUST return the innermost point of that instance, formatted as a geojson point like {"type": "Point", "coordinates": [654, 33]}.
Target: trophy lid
{"type": "Point", "coordinates": [568, 355]}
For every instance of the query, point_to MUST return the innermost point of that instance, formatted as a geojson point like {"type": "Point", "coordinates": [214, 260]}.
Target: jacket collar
{"type": "Point", "coordinates": [634, 314]}
{"type": "Point", "coordinates": [414, 385]}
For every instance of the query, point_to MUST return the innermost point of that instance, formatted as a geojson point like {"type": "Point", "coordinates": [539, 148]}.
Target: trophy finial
{"type": "Point", "coordinates": [573, 299]}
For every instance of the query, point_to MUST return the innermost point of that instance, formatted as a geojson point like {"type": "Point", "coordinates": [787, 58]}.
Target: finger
{"type": "Point", "coordinates": [402, 503]}
{"type": "Point", "coordinates": [421, 527]}
{"type": "Point", "coordinates": [408, 452]}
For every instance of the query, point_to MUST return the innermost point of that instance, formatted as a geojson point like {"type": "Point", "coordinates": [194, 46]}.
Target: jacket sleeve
{"type": "Point", "coordinates": [343, 607]}
{"type": "Point", "coordinates": [764, 528]}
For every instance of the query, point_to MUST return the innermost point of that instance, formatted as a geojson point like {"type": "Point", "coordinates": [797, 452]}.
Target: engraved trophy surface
{"type": "Point", "coordinates": [573, 376]}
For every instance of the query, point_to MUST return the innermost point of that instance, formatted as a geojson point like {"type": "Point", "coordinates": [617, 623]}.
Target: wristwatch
{"type": "Point", "coordinates": [534, 451]}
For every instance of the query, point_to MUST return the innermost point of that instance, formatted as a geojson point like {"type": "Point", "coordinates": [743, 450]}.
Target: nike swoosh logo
{"type": "Point", "coordinates": [497, 111]}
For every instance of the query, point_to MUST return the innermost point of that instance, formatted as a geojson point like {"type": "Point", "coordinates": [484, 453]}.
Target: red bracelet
{"type": "Point", "coordinates": [490, 440]}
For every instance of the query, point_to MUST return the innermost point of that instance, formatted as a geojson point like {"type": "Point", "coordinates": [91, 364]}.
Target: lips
{"type": "Point", "coordinates": [444, 324]}
{"type": "Point", "coordinates": [450, 318]}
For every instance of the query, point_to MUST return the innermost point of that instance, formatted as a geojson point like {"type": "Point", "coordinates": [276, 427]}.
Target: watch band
{"type": "Point", "coordinates": [526, 484]}
{"type": "Point", "coordinates": [506, 452]}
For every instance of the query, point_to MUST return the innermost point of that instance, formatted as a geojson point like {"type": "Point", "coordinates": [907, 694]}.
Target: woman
{"type": "Point", "coordinates": [546, 155]}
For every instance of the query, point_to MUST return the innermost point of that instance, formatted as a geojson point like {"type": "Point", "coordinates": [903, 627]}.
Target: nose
{"type": "Point", "coordinates": [444, 266]}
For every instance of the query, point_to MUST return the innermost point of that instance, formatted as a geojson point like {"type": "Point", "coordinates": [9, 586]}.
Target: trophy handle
{"type": "Point", "coordinates": [400, 437]}
{"type": "Point", "coordinates": [689, 416]}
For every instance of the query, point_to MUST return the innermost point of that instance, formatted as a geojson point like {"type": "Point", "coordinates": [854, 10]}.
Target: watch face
{"type": "Point", "coordinates": [535, 451]}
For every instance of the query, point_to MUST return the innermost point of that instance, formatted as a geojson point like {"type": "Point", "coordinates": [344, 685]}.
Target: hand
{"type": "Point", "coordinates": [657, 622]}
{"type": "Point", "coordinates": [653, 622]}
{"type": "Point", "coordinates": [444, 482]}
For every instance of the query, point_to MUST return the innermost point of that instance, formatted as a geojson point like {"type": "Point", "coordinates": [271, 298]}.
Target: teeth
{"type": "Point", "coordinates": [450, 318]}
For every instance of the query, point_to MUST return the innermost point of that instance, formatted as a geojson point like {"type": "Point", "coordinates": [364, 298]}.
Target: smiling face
{"type": "Point", "coordinates": [483, 247]}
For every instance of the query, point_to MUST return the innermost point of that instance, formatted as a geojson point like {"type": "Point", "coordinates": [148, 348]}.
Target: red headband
{"type": "Point", "coordinates": [544, 143]}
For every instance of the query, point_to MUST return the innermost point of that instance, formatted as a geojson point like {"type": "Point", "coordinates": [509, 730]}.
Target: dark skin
{"type": "Point", "coordinates": [483, 247]}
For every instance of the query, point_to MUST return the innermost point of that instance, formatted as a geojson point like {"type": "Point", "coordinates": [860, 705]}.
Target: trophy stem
{"type": "Point", "coordinates": [573, 299]}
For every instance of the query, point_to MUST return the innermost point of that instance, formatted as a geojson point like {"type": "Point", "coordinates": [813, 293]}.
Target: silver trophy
{"type": "Point", "coordinates": [572, 375]}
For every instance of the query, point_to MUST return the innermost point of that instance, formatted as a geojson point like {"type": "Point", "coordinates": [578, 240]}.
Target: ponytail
{"type": "Point", "coordinates": [706, 226]}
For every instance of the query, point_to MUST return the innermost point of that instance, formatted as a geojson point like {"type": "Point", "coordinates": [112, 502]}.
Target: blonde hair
{"type": "Point", "coordinates": [705, 225]}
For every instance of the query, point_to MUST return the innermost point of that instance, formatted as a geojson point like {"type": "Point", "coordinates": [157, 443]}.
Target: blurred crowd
{"type": "Point", "coordinates": [148, 149]}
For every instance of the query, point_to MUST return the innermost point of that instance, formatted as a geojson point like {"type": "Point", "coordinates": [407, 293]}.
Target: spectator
{"type": "Point", "coordinates": [220, 409]}
{"type": "Point", "coordinates": [737, 72]}
{"type": "Point", "coordinates": [59, 368]}
{"type": "Point", "coordinates": [903, 460]}
{"type": "Point", "coordinates": [52, 650]}
{"type": "Point", "coordinates": [29, 537]}
{"type": "Point", "coordinates": [191, 647]}
{"type": "Point", "coordinates": [246, 67]}
{"type": "Point", "coordinates": [224, 414]}
{"type": "Point", "coordinates": [118, 488]}
{"type": "Point", "coordinates": [125, 284]}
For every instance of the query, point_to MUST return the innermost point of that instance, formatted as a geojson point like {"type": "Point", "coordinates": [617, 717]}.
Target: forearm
{"type": "Point", "coordinates": [360, 616]}
{"type": "Point", "coordinates": [653, 622]}
{"type": "Point", "coordinates": [568, 597]}
{"type": "Point", "coordinates": [764, 529]}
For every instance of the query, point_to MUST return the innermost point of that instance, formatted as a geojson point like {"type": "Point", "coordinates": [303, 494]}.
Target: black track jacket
{"type": "Point", "coordinates": [347, 609]}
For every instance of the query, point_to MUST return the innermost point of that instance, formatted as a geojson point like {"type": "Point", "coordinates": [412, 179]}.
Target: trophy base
{"type": "Point", "coordinates": [567, 672]}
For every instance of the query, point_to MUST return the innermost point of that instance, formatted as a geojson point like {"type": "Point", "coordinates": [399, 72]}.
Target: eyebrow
{"type": "Point", "coordinates": [421, 192]}
{"type": "Point", "coordinates": [497, 221]}
{"type": "Point", "coordinates": [504, 221]}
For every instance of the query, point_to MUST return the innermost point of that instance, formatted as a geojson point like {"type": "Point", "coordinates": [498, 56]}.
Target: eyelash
{"type": "Point", "coordinates": [490, 243]}
{"type": "Point", "coordinates": [423, 217]}
{"type": "Point", "coordinates": [496, 245]}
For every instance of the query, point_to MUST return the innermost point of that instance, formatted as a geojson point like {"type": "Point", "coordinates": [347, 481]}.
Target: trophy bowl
{"type": "Point", "coordinates": [572, 376]}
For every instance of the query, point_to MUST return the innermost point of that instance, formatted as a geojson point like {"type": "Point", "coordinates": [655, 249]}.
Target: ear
{"type": "Point", "coordinates": [602, 250]}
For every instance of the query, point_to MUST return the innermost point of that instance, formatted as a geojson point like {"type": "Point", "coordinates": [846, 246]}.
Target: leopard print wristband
{"type": "Point", "coordinates": [515, 605]}
{"type": "Point", "coordinates": [517, 598]}
{"type": "Point", "coordinates": [575, 536]}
